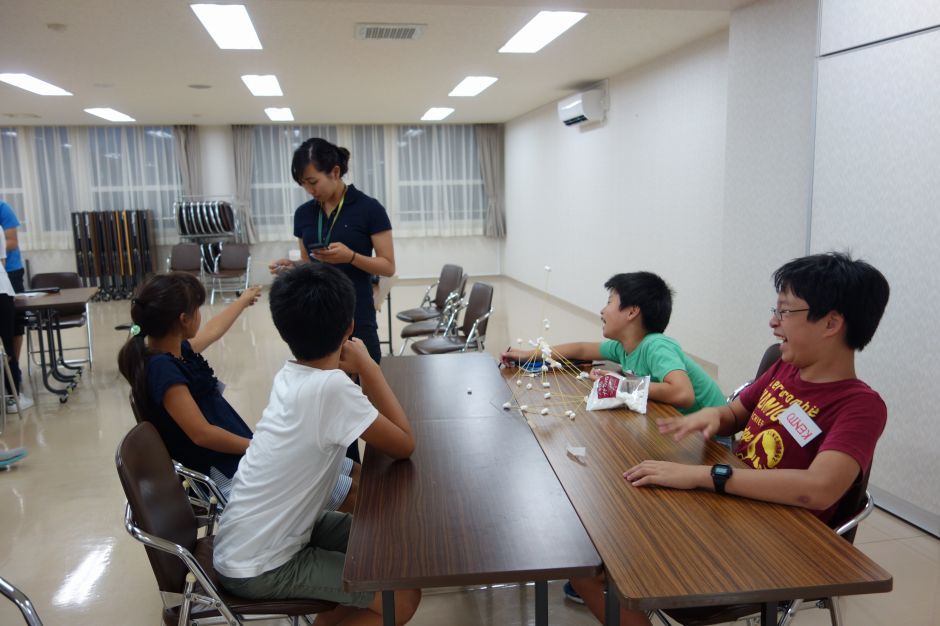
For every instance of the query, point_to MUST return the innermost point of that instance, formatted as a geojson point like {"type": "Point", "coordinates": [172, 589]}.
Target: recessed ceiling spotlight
{"type": "Point", "coordinates": [57, 27]}
{"type": "Point", "coordinates": [276, 114]}
{"type": "Point", "coordinates": [542, 29]}
{"type": "Point", "coordinates": [229, 25]}
{"type": "Point", "coordinates": [110, 114]}
{"type": "Point", "coordinates": [436, 114]}
{"type": "Point", "coordinates": [25, 116]}
{"type": "Point", "coordinates": [103, 85]}
{"type": "Point", "coordinates": [471, 86]}
{"type": "Point", "coordinates": [262, 84]}
{"type": "Point", "coordinates": [33, 84]}
{"type": "Point", "coordinates": [199, 86]}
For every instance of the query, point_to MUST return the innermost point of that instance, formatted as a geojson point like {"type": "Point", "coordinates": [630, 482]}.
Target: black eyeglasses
{"type": "Point", "coordinates": [779, 314]}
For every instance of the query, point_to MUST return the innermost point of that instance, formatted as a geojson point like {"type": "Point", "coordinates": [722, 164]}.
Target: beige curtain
{"type": "Point", "coordinates": [188, 158]}
{"type": "Point", "coordinates": [490, 145]}
{"type": "Point", "coordinates": [241, 139]}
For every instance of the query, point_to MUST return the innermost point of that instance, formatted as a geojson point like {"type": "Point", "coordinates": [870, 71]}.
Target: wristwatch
{"type": "Point", "coordinates": [720, 475]}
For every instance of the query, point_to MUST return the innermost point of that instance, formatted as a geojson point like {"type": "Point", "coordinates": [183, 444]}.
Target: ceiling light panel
{"type": "Point", "coordinates": [228, 25]}
{"type": "Point", "coordinates": [33, 84]}
{"type": "Point", "coordinates": [110, 114]}
{"type": "Point", "coordinates": [472, 86]}
{"type": "Point", "coordinates": [276, 114]}
{"type": "Point", "coordinates": [436, 114]}
{"type": "Point", "coordinates": [262, 84]}
{"type": "Point", "coordinates": [542, 29]}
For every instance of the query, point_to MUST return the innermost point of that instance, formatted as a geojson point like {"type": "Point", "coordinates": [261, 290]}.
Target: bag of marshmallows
{"type": "Point", "coordinates": [612, 390]}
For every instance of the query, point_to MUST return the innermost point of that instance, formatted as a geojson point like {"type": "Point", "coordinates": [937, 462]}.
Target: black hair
{"type": "Point", "coordinates": [833, 281]}
{"type": "Point", "coordinates": [155, 310]}
{"type": "Point", "coordinates": [647, 291]}
{"type": "Point", "coordinates": [312, 307]}
{"type": "Point", "coordinates": [322, 154]}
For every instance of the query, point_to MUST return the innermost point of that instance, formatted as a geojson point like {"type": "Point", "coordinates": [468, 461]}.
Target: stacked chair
{"type": "Point", "coordinates": [161, 515]}
{"type": "Point", "coordinates": [440, 324]}
{"type": "Point", "coordinates": [231, 271]}
{"type": "Point", "coordinates": [471, 334]}
{"type": "Point", "coordinates": [451, 276]}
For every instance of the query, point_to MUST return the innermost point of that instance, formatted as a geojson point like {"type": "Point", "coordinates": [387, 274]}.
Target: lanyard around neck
{"type": "Point", "coordinates": [329, 235]}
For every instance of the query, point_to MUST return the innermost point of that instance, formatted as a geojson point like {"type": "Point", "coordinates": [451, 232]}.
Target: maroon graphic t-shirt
{"type": "Point", "coordinates": [846, 415]}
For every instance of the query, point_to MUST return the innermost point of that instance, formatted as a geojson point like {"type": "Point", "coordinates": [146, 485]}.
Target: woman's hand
{"type": "Point", "coordinates": [280, 265]}
{"type": "Point", "coordinates": [335, 254]}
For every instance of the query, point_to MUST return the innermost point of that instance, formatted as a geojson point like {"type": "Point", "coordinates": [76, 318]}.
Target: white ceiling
{"type": "Point", "coordinates": [138, 56]}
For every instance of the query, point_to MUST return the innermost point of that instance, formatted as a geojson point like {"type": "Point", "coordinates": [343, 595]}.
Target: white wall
{"type": "Point", "coordinates": [876, 193]}
{"type": "Point", "coordinates": [768, 170]}
{"type": "Point", "coordinates": [644, 191]}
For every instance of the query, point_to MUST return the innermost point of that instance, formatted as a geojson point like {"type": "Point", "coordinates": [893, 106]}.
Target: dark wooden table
{"type": "Point", "coordinates": [665, 548]}
{"type": "Point", "coordinates": [46, 309]}
{"type": "Point", "coordinates": [477, 503]}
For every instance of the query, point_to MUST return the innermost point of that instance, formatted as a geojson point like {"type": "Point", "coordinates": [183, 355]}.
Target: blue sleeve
{"type": "Point", "coordinates": [162, 373]}
{"type": "Point", "coordinates": [297, 231]}
{"type": "Point", "coordinates": [378, 218]}
{"type": "Point", "coordinates": [7, 216]}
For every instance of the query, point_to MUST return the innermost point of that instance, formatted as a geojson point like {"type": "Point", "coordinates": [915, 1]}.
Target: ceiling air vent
{"type": "Point", "coordinates": [400, 32]}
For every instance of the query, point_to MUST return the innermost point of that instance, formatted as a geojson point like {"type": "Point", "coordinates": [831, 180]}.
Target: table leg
{"type": "Point", "coordinates": [388, 608]}
{"type": "Point", "coordinates": [52, 326]}
{"type": "Point", "coordinates": [611, 605]}
{"type": "Point", "coordinates": [48, 369]}
{"type": "Point", "coordinates": [768, 614]}
{"type": "Point", "coordinates": [541, 603]}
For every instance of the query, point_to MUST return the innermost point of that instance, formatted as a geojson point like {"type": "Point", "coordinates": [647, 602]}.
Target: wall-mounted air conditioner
{"type": "Point", "coordinates": [586, 106]}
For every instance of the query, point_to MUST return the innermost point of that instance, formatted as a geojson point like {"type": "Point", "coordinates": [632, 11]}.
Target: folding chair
{"type": "Point", "coordinates": [185, 257]}
{"type": "Point", "coordinates": [451, 276]}
{"type": "Point", "coordinates": [472, 333]}
{"type": "Point", "coordinates": [22, 602]}
{"type": "Point", "coordinates": [441, 325]}
{"type": "Point", "coordinates": [159, 515]}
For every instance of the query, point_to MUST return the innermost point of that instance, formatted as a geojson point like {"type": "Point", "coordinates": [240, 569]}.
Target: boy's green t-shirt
{"type": "Point", "coordinates": [656, 356]}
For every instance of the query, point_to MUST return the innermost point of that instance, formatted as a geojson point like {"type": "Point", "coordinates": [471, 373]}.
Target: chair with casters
{"type": "Point", "coordinates": [185, 257]}
{"type": "Point", "coordinates": [449, 280]}
{"type": "Point", "coordinates": [72, 316]}
{"type": "Point", "coordinates": [444, 324]}
{"type": "Point", "coordinates": [21, 601]}
{"type": "Point", "coordinates": [472, 333]}
{"type": "Point", "coordinates": [159, 515]}
{"type": "Point", "coordinates": [231, 271]}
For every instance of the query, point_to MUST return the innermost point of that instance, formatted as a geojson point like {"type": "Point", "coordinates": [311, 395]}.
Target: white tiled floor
{"type": "Point", "coordinates": [61, 509]}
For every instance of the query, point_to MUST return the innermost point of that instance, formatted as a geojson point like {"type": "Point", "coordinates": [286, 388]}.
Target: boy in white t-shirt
{"type": "Point", "coordinates": [275, 540]}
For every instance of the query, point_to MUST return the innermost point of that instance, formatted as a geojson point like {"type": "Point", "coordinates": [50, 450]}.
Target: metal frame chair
{"type": "Point", "coordinates": [159, 515]}
{"type": "Point", "coordinates": [471, 335]}
{"type": "Point", "coordinates": [442, 325]}
{"type": "Point", "coordinates": [70, 317]}
{"type": "Point", "coordinates": [449, 281]}
{"type": "Point", "coordinates": [233, 263]}
{"type": "Point", "coordinates": [186, 257]}
{"type": "Point", "coordinates": [22, 602]}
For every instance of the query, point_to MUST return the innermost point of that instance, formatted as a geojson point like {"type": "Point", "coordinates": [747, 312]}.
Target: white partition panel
{"type": "Point", "coordinates": [849, 23]}
{"type": "Point", "coordinates": [877, 193]}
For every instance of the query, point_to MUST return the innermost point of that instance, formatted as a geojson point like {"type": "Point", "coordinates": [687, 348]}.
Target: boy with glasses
{"type": "Point", "coordinates": [807, 417]}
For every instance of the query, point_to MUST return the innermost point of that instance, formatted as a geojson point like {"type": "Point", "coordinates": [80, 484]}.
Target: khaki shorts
{"type": "Point", "coordinates": [316, 572]}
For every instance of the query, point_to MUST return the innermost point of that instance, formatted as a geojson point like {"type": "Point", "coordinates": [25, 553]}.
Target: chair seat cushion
{"type": "Point", "coordinates": [439, 345]}
{"type": "Point", "coordinates": [243, 606]}
{"type": "Point", "coordinates": [419, 314]}
{"type": "Point", "coordinates": [419, 329]}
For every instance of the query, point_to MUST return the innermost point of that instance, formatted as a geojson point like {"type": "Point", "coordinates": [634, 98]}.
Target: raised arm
{"type": "Point", "coordinates": [179, 403]}
{"type": "Point", "coordinates": [213, 330]}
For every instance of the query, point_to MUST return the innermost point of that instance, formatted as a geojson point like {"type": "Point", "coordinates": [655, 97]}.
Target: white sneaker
{"type": "Point", "coordinates": [25, 403]}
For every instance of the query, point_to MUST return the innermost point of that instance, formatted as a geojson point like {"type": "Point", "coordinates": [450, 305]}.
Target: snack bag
{"type": "Point", "coordinates": [613, 390]}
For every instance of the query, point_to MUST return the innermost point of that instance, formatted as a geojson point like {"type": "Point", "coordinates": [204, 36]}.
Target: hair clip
{"type": "Point", "coordinates": [135, 330]}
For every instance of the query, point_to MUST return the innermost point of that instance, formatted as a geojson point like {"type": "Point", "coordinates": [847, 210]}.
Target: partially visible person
{"type": "Point", "coordinates": [313, 414]}
{"type": "Point", "coordinates": [7, 327]}
{"type": "Point", "coordinates": [15, 270]}
{"type": "Point", "coordinates": [828, 307]}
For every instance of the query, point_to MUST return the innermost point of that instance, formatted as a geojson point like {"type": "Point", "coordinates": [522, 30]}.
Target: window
{"type": "Point", "coordinates": [11, 183]}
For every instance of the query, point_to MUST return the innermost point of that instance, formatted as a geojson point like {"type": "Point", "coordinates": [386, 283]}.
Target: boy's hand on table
{"type": "Point", "coordinates": [666, 474]}
{"type": "Point", "coordinates": [354, 356]}
{"type": "Point", "coordinates": [706, 422]}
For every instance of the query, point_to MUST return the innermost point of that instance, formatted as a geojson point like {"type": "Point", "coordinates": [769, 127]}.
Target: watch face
{"type": "Point", "coordinates": [722, 471]}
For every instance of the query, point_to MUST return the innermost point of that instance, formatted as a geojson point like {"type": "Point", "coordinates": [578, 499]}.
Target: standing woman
{"type": "Point", "coordinates": [342, 226]}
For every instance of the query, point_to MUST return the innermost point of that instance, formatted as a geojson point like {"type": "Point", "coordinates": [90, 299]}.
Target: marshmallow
{"type": "Point", "coordinates": [469, 390]}
{"type": "Point", "coordinates": [544, 411]}
{"type": "Point", "coordinates": [548, 394]}
{"type": "Point", "coordinates": [546, 384]}
{"type": "Point", "coordinates": [518, 383]}
{"type": "Point", "coordinates": [524, 408]}
{"type": "Point", "coordinates": [528, 386]}
{"type": "Point", "coordinates": [507, 405]}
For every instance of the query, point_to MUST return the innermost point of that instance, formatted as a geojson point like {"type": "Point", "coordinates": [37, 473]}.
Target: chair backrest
{"type": "Point", "coordinates": [850, 505]}
{"type": "Point", "coordinates": [479, 303]}
{"type": "Point", "coordinates": [185, 257]}
{"type": "Point", "coordinates": [234, 256]}
{"type": "Point", "coordinates": [62, 280]}
{"type": "Point", "coordinates": [449, 281]}
{"type": "Point", "coordinates": [159, 504]}
{"type": "Point", "coordinates": [138, 413]}
{"type": "Point", "coordinates": [771, 356]}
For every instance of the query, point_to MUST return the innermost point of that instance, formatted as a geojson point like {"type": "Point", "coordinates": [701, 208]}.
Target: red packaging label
{"type": "Point", "coordinates": [607, 387]}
